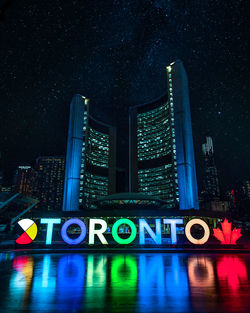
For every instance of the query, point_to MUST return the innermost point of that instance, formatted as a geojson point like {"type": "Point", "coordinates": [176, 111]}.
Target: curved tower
{"type": "Point", "coordinates": [161, 145]}
{"type": "Point", "coordinates": [98, 161]}
{"type": "Point", "coordinates": [91, 158]}
{"type": "Point", "coordinates": [73, 156]}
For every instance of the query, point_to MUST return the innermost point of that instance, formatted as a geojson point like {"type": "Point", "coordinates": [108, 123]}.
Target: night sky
{"type": "Point", "coordinates": [115, 53]}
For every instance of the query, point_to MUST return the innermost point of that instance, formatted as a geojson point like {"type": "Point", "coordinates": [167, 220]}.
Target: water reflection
{"type": "Point", "coordinates": [44, 283]}
{"type": "Point", "coordinates": [233, 282]}
{"type": "Point", "coordinates": [202, 283]}
{"type": "Point", "coordinates": [125, 283]}
{"type": "Point", "coordinates": [232, 271]}
{"type": "Point", "coordinates": [70, 282]}
{"type": "Point", "coordinates": [177, 284]}
{"type": "Point", "coordinates": [163, 281]}
{"type": "Point", "coordinates": [96, 277]}
{"type": "Point", "coordinates": [22, 280]}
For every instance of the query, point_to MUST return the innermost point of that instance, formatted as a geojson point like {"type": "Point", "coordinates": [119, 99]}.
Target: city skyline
{"type": "Point", "coordinates": [114, 55]}
{"type": "Point", "coordinates": [124, 156]}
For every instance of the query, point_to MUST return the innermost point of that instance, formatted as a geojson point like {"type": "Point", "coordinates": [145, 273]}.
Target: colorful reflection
{"type": "Point", "coordinates": [200, 272]}
{"type": "Point", "coordinates": [162, 280]}
{"type": "Point", "coordinates": [177, 287]}
{"type": "Point", "coordinates": [202, 283]}
{"type": "Point", "coordinates": [123, 280]}
{"type": "Point", "coordinates": [151, 281]}
{"type": "Point", "coordinates": [96, 279]}
{"type": "Point", "coordinates": [21, 282]}
{"type": "Point", "coordinates": [146, 282]}
{"type": "Point", "coordinates": [232, 270]}
{"type": "Point", "coordinates": [44, 284]}
{"type": "Point", "coordinates": [234, 282]}
{"type": "Point", "coordinates": [70, 282]}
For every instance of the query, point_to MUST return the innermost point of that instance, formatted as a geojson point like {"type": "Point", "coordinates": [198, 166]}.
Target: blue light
{"type": "Point", "coordinates": [73, 157]}
{"type": "Point", "coordinates": [50, 222]}
{"type": "Point", "coordinates": [151, 278]}
{"type": "Point", "coordinates": [70, 283]}
{"type": "Point", "coordinates": [155, 236]}
{"type": "Point", "coordinates": [173, 223]}
{"type": "Point", "coordinates": [177, 288]}
{"type": "Point", "coordinates": [163, 283]}
{"type": "Point", "coordinates": [44, 284]}
{"type": "Point", "coordinates": [66, 225]}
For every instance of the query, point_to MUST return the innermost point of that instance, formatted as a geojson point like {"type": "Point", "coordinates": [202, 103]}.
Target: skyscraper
{"type": "Point", "coordinates": [91, 157]}
{"type": "Point", "coordinates": [50, 181]}
{"type": "Point", "coordinates": [24, 180]}
{"type": "Point", "coordinates": [161, 156]}
{"type": "Point", "coordinates": [210, 190]}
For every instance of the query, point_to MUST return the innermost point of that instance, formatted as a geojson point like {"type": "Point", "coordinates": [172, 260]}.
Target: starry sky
{"type": "Point", "coordinates": [115, 53]}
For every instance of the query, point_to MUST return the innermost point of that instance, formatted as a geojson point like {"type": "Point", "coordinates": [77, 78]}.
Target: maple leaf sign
{"type": "Point", "coordinates": [227, 236]}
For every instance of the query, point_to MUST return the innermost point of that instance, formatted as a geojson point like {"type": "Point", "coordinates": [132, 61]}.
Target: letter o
{"type": "Point", "coordinates": [65, 227]}
{"type": "Point", "coordinates": [116, 226]}
{"type": "Point", "coordinates": [203, 224]}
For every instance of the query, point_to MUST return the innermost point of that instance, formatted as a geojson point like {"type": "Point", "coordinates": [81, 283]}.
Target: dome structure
{"type": "Point", "coordinates": [128, 201]}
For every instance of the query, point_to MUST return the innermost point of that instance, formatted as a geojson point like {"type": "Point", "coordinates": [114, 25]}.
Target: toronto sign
{"type": "Point", "coordinates": [97, 228]}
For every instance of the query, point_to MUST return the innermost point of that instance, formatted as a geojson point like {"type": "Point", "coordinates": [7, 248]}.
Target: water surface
{"type": "Point", "coordinates": [146, 282]}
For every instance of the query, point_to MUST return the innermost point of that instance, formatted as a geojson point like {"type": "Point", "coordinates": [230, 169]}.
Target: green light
{"type": "Point", "coordinates": [123, 282]}
{"type": "Point", "coordinates": [115, 229]}
{"type": "Point", "coordinates": [123, 272]}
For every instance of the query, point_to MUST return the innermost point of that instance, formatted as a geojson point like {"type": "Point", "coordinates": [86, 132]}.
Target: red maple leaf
{"type": "Point", "coordinates": [227, 236]}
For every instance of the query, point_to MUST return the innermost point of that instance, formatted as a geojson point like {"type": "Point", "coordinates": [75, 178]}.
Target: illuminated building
{"type": "Point", "coordinates": [50, 181]}
{"type": "Point", "coordinates": [245, 189]}
{"type": "Point", "coordinates": [161, 156]}
{"type": "Point", "coordinates": [91, 157]}
{"type": "Point", "coordinates": [24, 180]}
{"type": "Point", "coordinates": [240, 197]}
{"type": "Point", "coordinates": [210, 181]}
{"type": "Point", "coordinates": [6, 189]}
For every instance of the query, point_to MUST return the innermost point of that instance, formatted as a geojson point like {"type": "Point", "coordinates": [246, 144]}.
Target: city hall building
{"type": "Point", "coordinates": [161, 156]}
{"type": "Point", "coordinates": [91, 157]}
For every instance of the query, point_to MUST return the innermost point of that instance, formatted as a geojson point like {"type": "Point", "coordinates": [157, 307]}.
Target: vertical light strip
{"type": "Point", "coordinates": [173, 223]}
{"type": "Point", "coordinates": [155, 236]}
{"type": "Point", "coordinates": [50, 224]}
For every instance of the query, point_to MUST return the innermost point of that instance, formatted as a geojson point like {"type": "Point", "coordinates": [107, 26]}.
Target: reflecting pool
{"type": "Point", "coordinates": [146, 282]}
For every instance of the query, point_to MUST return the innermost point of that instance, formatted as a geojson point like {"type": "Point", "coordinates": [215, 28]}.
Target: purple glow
{"type": "Point", "coordinates": [64, 229]}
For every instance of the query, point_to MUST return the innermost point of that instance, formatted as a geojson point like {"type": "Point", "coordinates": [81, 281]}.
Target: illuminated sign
{"type": "Point", "coordinates": [197, 221]}
{"type": "Point", "coordinates": [227, 236]}
{"type": "Point", "coordinates": [29, 231]}
{"type": "Point", "coordinates": [98, 230]}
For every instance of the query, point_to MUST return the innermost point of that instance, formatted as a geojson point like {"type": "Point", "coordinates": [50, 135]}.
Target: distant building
{"type": "Point", "coordinates": [91, 157]}
{"type": "Point", "coordinates": [24, 180]}
{"type": "Point", "coordinates": [216, 206]}
{"type": "Point", "coordinates": [161, 156]}
{"type": "Point", "coordinates": [239, 198]}
{"type": "Point", "coordinates": [50, 181]}
{"type": "Point", "coordinates": [245, 189]}
{"type": "Point", "coordinates": [210, 188]}
{"type": "Point", "coordinates": [7, 189]}
{"type": "Point", "coordinates": [231, 198]}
